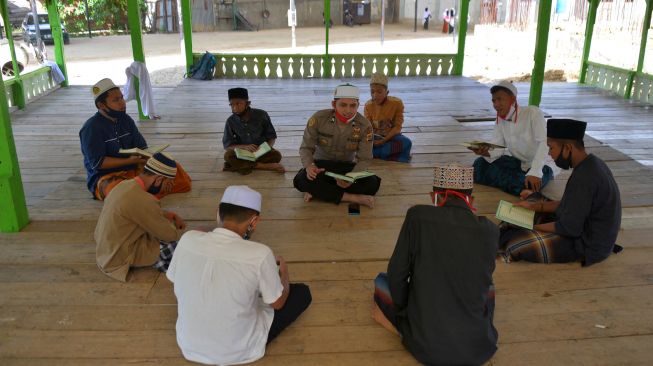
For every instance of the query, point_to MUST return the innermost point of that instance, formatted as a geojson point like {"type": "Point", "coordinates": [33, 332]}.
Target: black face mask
{"type": "Point", "coordinates": [563, 163]}
{"type": "Point", "coordinates": [248, 233]}
{"type": "Point", "coordinates": [154, 189]}
{"type": "Point", "coordinates": [115, 113]}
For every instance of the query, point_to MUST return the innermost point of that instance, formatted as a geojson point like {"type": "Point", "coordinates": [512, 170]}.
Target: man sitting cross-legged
{"type": "Point", "coordinates": [232, 298]}
{"type": "Point", "coordinates": [587, 218]}
{"type": "Point", "coordinates": [247, 128]}
{"type": "Point", "coordinates": [438, 293]}
{"type": "Point", "coordinates": [337, 140]}
{"type": "Point", "coordinates": [386, 113]}
{"type": "Point", "coordinates": [108, 131]}
{"type": "Point", "coordinates": [133, 230]}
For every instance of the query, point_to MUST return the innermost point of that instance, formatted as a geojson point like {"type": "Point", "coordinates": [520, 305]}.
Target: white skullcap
{"type": "Point", "coordinates": [102, 86]}
{"type": "Point", "coordinates": [504, 84]}
{"type": "Point", "coordinates": [242, 196]}
{"type": "Point", "coordinates": [346, 91]}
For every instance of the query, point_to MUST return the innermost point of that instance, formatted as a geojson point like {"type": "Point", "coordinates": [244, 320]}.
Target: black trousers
{"type": "Point", "coordinates": [325, 188]}
{"type": "Point", "coordinates": [298, 300]}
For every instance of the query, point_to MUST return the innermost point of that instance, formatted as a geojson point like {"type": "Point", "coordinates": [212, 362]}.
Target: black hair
{"type": "Point", "coordinates": [497, 88]}
{"type": "Point", "coordinates": [103, 97]}
{"type": "Point", "coordinates": [234, 212]}
{"type": "Point", "coordinates": [466, 192]}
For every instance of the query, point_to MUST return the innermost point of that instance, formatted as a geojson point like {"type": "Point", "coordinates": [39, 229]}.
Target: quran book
{"type": "Point", "coordinates": [475, 144]}
{"type": "Point", "coordinates": [243, 154]}
{"type": "Point", "coordinates": [144, 152]}
{"type": "Point", "coordinates": [515, 215]}
{"type": "Point", "coordinates": [350, 177]}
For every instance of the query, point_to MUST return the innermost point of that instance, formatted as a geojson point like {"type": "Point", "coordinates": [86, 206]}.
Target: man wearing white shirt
{"type": "Point", "coordinates": [523, 166]}
{"type": "Point", "coordinates": [232, 298]}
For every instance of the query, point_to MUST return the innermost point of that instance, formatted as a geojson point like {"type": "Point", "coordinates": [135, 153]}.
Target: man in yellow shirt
{"type": "Point", "coordinates": [386, 114]}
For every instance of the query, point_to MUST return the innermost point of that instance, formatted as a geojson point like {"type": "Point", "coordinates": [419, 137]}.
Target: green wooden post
{"type": "Point", "coordinates": [645, 26]}
{"type": "Point", "coordinates": [134, 19]}
{"type": "Point", "coordinates": [541, 42]}
{"type": "Point", "coordinates": [186, 18]}
{"type": "Point", "coordinates": [57, 36]}
{"type": "Point", "coordinates": [18, 89]}
{"type": "Point", "coordinates": [462, 35]}
{"type": "Point", "coordinates": [327, 22]}
{"type": "Point", "coordinates": [589, 31]}
{"type": "Point", "coordinates": [13, 212]}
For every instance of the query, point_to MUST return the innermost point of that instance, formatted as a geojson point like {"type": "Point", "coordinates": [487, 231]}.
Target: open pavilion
{"type": "Point", "coordinates": [56, 308]}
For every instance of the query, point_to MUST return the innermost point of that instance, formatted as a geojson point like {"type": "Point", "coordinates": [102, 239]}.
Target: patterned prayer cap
{"type": "Point", "coordinates": [504, 85]}
{"type": "Point", "coordinates": [242, 196]}
{"type": "Point", "coordinates": [453, 176]}
{"type": "Point", "coordinates": [346, 91]}
{"type": "Point", "coordinates": [378, 78]}
{"type": "Point", "coordinates": [162, 164]}
{"type": "Point", "coordinates": [238, 93]}
{"type": "Point", "coordinates": [101, 87]}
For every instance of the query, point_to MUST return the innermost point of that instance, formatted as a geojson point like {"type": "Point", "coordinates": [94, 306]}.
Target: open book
{"type": "Point", "coordinates": [144, 152]}
{"type": "Point", "coordinates": [243, 154]}
{"type": "Point", "coordinates": [475, 144]}
{"type": "Point", "coordinates": [350, 177]}
{"type": "Point", "coordinates": [515, 215]}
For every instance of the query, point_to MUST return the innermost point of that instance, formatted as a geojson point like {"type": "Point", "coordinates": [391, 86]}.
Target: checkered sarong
{"type": "Point", "coordinates": [167, 249]}
{"type": "Point", "coordinates": [535, 246]}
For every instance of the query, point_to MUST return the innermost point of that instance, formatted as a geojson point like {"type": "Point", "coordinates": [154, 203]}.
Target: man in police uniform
{"type": "Point", "coordinates": [337, 140]}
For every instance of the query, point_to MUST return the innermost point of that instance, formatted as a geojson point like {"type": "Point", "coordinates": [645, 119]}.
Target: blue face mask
{"type": "Point", "coordinates": [154, 189]}
{"type": "Point", "coordinates": [115, 113]}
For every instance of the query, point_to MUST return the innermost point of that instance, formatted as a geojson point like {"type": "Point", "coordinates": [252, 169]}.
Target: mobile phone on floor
{"type": "Point", "coordinates": [354, 209]}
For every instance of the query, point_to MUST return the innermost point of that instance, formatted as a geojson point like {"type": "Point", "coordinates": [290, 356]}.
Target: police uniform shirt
{"type": "Point", "coordinates": [326, 138]}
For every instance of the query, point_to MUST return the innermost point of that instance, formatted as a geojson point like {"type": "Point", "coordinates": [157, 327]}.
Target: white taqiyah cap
{"type": "Point", "coordinates": [504, 84]}
{"type": "Point", "coordinates": [242, 196]}
{"type": "Point", "coordinates": [346, 91]}
{"type": "Point", "coordinates": [102, 86]}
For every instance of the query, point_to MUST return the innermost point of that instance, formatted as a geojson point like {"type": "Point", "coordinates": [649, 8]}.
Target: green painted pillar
{"type": "Point", "coordinates": [541, 43]}
{"type": "Point", "coordinates": [327, 21]}
{"type": "Point", "coordinates": [13, 210]}
{"type": "Point", "coordinates": [134, 19]}
{"type": "Point", "coordinates": [645, 27]}
{"type": "Point", "coordinates": [589, 31]}
{"type": "Point", "coordinates": [187, 24]}
{"type": "Point", "coordinates": [57, 36]}
{"type": "Point", "coordinates": [17, 90]}
{"type": "Point", "coordinates": [462, 35]}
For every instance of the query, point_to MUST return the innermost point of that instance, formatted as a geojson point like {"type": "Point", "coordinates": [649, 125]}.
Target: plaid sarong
{"type": "Point", "coordinates": [533, 246]}
{"type": "Point", "coordinates": [397, 149]}
{"type": "Point", "coordinates": [167, 249]}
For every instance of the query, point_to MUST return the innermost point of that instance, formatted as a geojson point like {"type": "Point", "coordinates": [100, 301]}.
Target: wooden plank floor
{"type": "Point", "coordinates": [56, 308]}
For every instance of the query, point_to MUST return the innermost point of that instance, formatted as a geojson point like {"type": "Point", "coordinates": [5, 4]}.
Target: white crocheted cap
{"type": "Point", "coordinates": [346, 91]}
{"type": "Point", "coordinates": [242, 196]}
{"type": "Point", "coordinates": [453, 176]}
{"type": "Point", "coordinates": [102, 86]}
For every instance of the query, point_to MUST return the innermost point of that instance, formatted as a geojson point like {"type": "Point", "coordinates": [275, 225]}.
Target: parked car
{"type": "Point", "coordinates": [29, 31]}
{"type": "Point", "coordinates": [25, 54]}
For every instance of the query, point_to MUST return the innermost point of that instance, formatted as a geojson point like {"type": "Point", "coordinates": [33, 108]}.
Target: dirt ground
{"type": "Point", "coordinates": [491, 53]}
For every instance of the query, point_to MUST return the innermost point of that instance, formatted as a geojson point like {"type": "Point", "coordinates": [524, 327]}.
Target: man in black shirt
{"type": "Point", "coordinates": [247, 128]}
{"type": "Point", "coordinates": [438, 294]}
{"type": "Point", "coordinates": [587, 218]}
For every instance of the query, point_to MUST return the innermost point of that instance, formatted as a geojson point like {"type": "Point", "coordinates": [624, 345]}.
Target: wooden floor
{"type": "Point", "coordinates": [56, 308]}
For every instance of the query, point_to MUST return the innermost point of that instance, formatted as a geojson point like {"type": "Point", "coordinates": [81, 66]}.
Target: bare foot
{"type": "Point", "coordinates": [380, 318]}
{"type": "Point", "coordinates": [271, 166]}
{"type": "Point", "coordinates": [308, 197]}
{"type": "Point", "coordinates": [361, 199]}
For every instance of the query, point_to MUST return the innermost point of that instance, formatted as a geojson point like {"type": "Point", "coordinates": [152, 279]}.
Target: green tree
{"type": "Point", "coordinates": [109, 15]}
